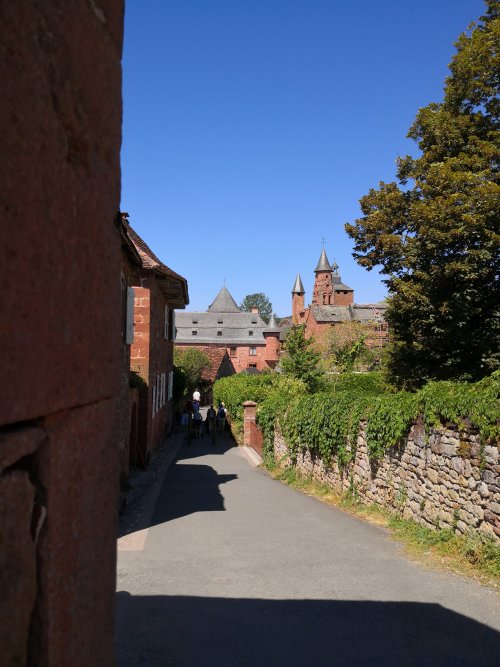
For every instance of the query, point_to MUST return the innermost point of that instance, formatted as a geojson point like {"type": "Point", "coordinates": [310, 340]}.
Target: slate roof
{"type": "Point", "coordinates": [323, 263]}
{"type": "Point", "coordinates": [174, 286]}
{"type": "Point", "coordinates": [360, 312]}
{"type": "Point", "coordinates": [272, 326]}
{"type": "Point", "coordinates": [224, 303]}
{"type": "Point", "coordinates": [298, 287]}
{"type": "Point", "coordinates": [234, 324]}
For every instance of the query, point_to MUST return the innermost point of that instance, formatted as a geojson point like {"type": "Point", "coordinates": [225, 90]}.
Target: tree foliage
{"type": "Point", "coordinates": [342, 345]}
{"type": "Point", "coordinates": [300, 360]}
{"type": "Point", "coordinates": [258, 300]}
{"type": "Point", "coordinates": [193, 362]}
{"type": "Point", "coordinates": [436, 232]}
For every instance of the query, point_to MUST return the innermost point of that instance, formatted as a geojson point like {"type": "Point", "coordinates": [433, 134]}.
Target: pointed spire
{"type": "Point", "coordinates": [272, 327]}
{"type": "Point", "coordinates": [224, 303]}
{"type": "Point", "coordinates": [298, 287]}
{"type": "Point", "coordinates": [323, 264]}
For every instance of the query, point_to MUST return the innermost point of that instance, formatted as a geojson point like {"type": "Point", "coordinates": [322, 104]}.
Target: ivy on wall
{"type": "Point", "coordinates": [327, 423]}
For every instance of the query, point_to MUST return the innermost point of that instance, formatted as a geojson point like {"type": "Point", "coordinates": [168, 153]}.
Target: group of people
{"type": "Point", "coordinates": [215, 420]}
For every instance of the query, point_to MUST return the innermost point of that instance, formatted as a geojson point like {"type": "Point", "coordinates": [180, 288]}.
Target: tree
{"type": "Point", "coordinates": [193, 362]}
{"type": "Point", "coordinates": [436, 232]}
{"type": "Point", "coordinates": [260, 301]}
{"type": "Point", "coordinates": [342, 345]}
{"type": "Point", "coordinates": [300, 360]}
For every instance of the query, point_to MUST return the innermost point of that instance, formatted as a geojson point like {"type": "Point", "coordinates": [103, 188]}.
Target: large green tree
{"type": "Point", "coordinates": [300, 360]}
{"type": "Point", "coordinates": [258, 300]}
{"type": "Point", "coordinates": [193, 363]}
{"type": "Point", "coordinates": [436, 232]}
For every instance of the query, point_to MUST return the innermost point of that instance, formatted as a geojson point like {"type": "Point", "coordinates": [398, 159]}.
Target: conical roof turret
{"type": "Point", "coordinates": [298, 287]}
{"type": "Point", "coordinates": [224, 303]}
{"type": "Point", "coordinates": [323, 264]}
{"type": "Point", "coordinates": [272, 327]}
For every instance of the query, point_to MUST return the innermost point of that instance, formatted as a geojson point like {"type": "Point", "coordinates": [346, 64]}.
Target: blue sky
{"type": "Point", "coordinates": [252, 127]}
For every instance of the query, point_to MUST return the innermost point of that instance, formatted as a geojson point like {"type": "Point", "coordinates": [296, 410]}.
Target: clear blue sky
{"type": "Point", "coordinates": [252, 127]}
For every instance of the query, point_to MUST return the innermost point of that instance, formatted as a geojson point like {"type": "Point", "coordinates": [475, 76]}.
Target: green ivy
{"type": "Point", "coordinates": [328, 423]}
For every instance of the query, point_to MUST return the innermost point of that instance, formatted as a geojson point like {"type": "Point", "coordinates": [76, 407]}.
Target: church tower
{"type": "Point", "coordinates": [323, 288]}
{"type": "Point", "coordinates": [298, 292]}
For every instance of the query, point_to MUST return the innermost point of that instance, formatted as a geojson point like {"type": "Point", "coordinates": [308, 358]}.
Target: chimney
{"type": "Point", "coordinates": [255, 310]}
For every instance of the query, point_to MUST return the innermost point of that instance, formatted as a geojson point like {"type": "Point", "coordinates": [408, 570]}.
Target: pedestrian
{"type": "Point", "coordinates": [221, 417]}
{"type": "Point", "coordinates": [211, 419]}
{"type": "Point", "coordinates": [197, 422]}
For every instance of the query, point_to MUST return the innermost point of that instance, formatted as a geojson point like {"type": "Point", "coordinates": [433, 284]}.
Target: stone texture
{"type": "Point", "coordinates": [16, 443]}
{"type": "Point", "coordinates": [425, 489]}
{"type": "Point", "coordinates": [17, 566]}
{"type": "Point", "coordinates": [61, 109]}
{"type": "Point", "coordinates": [78, 467]}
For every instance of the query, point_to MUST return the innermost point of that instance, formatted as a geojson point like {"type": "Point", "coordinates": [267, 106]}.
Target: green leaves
{"type": "Point", "coordinates": [300, 361]}
{"type": "Point", "coordinates": [436, 233]}
{"type": "Point", "coordinates": [260, 301]}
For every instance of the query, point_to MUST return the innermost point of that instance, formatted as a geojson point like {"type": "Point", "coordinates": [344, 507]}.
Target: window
{"type": "Point", "coordinates": [252, 351]}
{"type": "Point", "coordinates": [169, 324]}
{"type": "Point", "coordinates": [252, 365]}
{"type": "Point", "coordinates": [219, 333]}
{"type": "Point", "coordinates": [129, 322]}
{"type": "Point", "coordinates": [232, 351]}
{"type": "Point", "coordinates": [195, 321]}
{"type": "Point", "coordinates": [194, 332]}
{"type": "Point", "coordinates": [170, 385]}
{"type": "Point", "coordinates": [254, 320]}
{"type": "Point", "coordinates": [250, 333]}
{"type": "Point", "coordinates": [219, 321]}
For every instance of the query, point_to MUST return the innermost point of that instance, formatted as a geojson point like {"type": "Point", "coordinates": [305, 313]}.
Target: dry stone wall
{"type": "Point", "coordinates": [442, 479]}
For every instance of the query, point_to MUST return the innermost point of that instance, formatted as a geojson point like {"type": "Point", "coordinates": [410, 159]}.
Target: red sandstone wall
{"type": "Point", "coordinates": [242, 359]}
{"type": "Point", "coordinates": [341, 299]}
{"type": "Point", "coordinates": [61, 335]}
{"type": "Point", "coordinates": [151, 355]}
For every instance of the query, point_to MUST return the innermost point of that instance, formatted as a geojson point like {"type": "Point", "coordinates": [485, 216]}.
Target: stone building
{"type": "Point", "coordinates": [158, 291]}
{"type": "Point", "coordinates": [61, 335]}
{"type": "Point", "coordinates": [249, 341]}
{"type": "Point", "coordinates": [333, 303]}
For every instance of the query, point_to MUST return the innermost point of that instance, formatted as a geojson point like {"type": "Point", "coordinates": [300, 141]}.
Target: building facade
{"type": "Point", "coordinates": [248, 340]}
{"type": "Point", "coordinates": [157, 292]}
{"type": "Point", "coordinates": [333, 303]}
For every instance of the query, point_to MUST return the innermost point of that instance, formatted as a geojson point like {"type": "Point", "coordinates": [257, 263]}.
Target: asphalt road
{"type": "Point", "coordinates": [220, 565]}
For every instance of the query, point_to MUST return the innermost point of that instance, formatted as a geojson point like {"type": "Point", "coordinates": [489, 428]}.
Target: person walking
{"type": "Point", "coordinates": [211, 421]}
{"type": "Point", "coordinates": [221, 417]}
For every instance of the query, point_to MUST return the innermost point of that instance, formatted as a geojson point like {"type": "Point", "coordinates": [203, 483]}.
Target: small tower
{"type": "Point", "coordinates": [272, 337]}
{"type": "Point", "coordinates": [298, 292]}
{"type": "Point", "coordinates": [343, 295]}
{"type": "Point", "coordinates": [323, 290]}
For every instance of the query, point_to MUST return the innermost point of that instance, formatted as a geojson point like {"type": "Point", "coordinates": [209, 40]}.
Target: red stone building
{"type": "Point", "coordinates": [248, 340]}
{"type": "Point", "coordinates": [333, 303]}
{"type": "Point", "coordinates": [157, 292]}
{"type": "Point", "coordinates": [61, 334]}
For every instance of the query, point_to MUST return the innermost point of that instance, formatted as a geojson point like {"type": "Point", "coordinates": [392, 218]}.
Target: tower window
{"type": "Point", "coordinates": [252, 351]}
{"type": "Point", "coordinates": [219, 333]}
{"type": "Point", "coordinates": [250, 333]}
{"type": "Point", "coordinates": [194, 332]}
{"type": "Point", "coordinates": [232, 351]}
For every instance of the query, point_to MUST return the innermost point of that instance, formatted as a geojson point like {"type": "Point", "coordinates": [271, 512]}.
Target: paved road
{"type": "Point", "coordinates": [229, 567]}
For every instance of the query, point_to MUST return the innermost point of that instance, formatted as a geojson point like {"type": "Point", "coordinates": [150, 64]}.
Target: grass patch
{"type": "Point", "coordinates": [472, 556]}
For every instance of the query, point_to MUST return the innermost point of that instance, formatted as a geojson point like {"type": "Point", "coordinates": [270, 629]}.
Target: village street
{"type": "Point", "coordinates": [219, 565]}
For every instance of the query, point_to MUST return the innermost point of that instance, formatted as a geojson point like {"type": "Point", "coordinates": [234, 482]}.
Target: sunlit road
{"type": "Point", "coordinates": [220, 565]}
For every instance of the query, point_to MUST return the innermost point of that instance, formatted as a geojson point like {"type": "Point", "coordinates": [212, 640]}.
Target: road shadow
{"type": "Point", "coordinates": [204, 446]}
{"type": "Point", "coordinates": [200, 631]}
{"type": "Point", "coordinates": [189, 488]}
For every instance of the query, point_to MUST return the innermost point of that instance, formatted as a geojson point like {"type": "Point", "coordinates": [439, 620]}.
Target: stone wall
{"type": "Point", "coordinates": [442, 480]}
{"type": "Point", "coordinates": [61, 336]}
